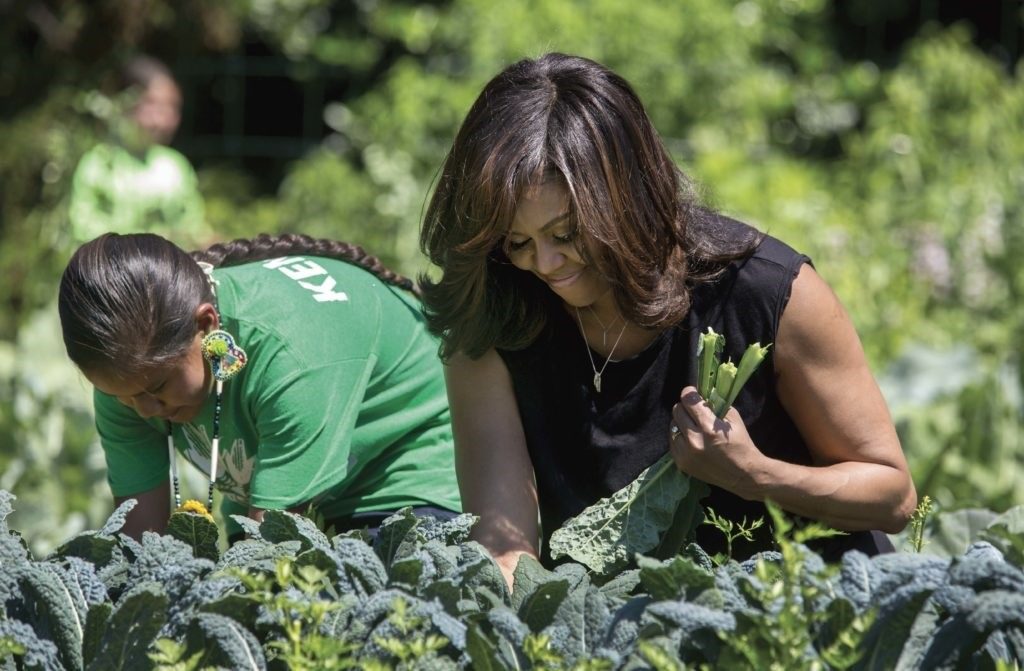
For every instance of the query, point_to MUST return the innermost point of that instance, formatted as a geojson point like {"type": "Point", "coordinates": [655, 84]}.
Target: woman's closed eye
{"type": "Point", "coordinates": [559, 238]}
{"type": "Point", "coordinates": [515, 245]}
{"type": "Point", "coordinates": [565, 238]}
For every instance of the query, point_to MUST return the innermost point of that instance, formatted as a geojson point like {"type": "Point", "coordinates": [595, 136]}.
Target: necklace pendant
{"type": "Point", "coordinates": [597, 382]}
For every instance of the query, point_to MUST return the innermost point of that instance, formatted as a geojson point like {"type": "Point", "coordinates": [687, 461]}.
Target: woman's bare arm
{"type": "Point", "coordinates": [495, 474]}
{"type": "Point", "coordinates": [859, 478]}
{"type": "Point", "coordinates": [151, 512]}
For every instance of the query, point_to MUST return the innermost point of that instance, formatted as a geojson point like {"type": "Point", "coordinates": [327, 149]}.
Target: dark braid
{"type": "Point", "coordinates": [264, 246]}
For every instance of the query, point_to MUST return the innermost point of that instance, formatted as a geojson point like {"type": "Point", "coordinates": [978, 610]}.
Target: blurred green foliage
{"type": "Point", "coordinates": [904, 181]}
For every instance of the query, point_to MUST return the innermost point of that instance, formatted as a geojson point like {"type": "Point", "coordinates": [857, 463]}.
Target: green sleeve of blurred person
{"type": "Point", "coordinates": [155, 191]}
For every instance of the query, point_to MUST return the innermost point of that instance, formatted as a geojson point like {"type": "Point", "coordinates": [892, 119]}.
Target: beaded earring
{"type": "Point", "coordinates": [226, 359]}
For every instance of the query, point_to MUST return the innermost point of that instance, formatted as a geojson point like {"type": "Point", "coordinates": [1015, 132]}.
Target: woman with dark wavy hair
{"type": "Point", "coordinates": [578, 269]}
{"type": "Point", "coordinates": [289, 370]}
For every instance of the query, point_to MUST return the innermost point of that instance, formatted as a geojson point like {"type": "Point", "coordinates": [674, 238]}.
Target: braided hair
{"type": "Point", "coordinates": [264, 246]}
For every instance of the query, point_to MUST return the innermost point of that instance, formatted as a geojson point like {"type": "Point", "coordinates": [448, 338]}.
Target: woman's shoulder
{"type": "Point", "coordinates": [759, 261]}
{"type": "Point", "coordinates": [751, 290]}
{"type": "Point", "coordinates": [732, 234]}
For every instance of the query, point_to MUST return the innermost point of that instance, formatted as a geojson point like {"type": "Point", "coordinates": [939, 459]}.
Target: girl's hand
{"type": "Point", "coordinates": [717, 451]}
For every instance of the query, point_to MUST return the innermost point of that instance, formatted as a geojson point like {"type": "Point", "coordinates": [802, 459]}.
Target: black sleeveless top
{"type": "Point", "coordinates": [586, 445]}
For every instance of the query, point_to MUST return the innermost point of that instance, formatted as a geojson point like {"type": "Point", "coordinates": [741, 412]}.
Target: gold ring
{"type": "Point", "coordinates": [674, 430]}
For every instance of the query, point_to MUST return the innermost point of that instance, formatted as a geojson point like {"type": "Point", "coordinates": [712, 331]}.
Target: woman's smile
{"type": "Point", "coordinates": [563, 281]}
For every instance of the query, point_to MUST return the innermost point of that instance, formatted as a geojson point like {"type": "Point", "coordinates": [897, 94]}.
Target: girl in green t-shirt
{"type": "Point", "coordinates": [296, 371]}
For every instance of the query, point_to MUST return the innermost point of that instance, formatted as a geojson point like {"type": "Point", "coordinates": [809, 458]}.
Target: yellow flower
{"type": "Point", "coordinates": [193, 506]}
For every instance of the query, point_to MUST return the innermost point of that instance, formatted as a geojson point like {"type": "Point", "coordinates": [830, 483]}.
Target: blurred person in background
{"type": "Point", "coordinates": [134, 182]}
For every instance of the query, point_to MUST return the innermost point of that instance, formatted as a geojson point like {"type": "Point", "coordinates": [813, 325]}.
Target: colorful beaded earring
{"type": "Point", "coordinates": [226, 360]}
{"type": "Point", "coordinates": [225, 357]}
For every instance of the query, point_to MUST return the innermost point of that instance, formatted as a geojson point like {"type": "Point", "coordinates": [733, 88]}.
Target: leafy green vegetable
{"type": "Point", "coordinates": [728, 380]}
{"type": "Point", "coordinates": [657, 511]}
{"type": "Point", "coordinates": [440, 605]}
{"type": "Point", "coordinates": [197, 531]}
{"type": "Point", "coordinates": [227, 643]}
{"type": "Point", "coordinates": [606, 535]}
{"type": "Point", "coordinates": [132, 628]}
{"type": "Point", "coordinates": [709, 348]}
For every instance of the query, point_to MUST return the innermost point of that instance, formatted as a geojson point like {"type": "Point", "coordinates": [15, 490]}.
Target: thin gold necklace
{"type": "Point", "coordinates": [598, 373]}
{"type": "Point", "coordinates": [604, 329]}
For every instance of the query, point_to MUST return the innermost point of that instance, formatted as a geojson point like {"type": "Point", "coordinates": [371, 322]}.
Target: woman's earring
{"type": "Point", "coordinates": [225, 357]}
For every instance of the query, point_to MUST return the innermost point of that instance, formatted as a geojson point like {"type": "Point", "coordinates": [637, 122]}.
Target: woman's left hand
{"type": "Point", "coordinates": [857, 477]}
{"type": "Point", "coordinates": [718, 451]}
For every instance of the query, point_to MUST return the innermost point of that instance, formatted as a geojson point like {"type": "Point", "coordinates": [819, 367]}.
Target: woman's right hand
{"type": "Point", "coordinates": [492, 463]}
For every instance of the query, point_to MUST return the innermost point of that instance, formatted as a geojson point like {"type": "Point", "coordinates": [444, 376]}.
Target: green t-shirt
{"type": "Point", "coordinates": [342, 401]}
{"type": "Point", "coordinates": [153, 192]}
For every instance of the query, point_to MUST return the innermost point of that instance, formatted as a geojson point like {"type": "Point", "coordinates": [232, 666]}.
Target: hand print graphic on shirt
{"type": "Point", "coordinates": [234, 465]}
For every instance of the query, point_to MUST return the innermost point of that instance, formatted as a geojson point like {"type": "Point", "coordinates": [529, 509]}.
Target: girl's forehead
{"type": "Point", "coordinates": [114, 383]}
{"type": "Point", "coordinates": [124, 383]}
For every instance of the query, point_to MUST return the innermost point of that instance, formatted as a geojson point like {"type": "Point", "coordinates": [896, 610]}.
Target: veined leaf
{"type": "Point", "coordinates": [197, 531]}
{"type": "Point", "coordinates": [449, 627]}
{"type": "Point", "coordinates": [1006, 532]}
{"type": "Point", "coordinates": [168, 561]}
{"type": "Point", "coordinates": [257, 554]}
{"type": "Point", "coordinates": [477, 569]}
{"type": "Point", "coordinates": [484, 652]}
{"type": "Point", "coordinates": [606, 535]}
{"type": "Point", "coordinates": [449, 532]}
{"type": "Point", "coordinates": [90, 546]}
{"type": "Point", "coordinates": [396, 536]}
{"type": "Point", "coordinates": [537, 593]}
{"type": "Point", "coordinates": [60, 609]}
{"type": "Point", "coordinates": [689, 515]}
{"type": "Point", "coordinates": [117, 518]}
{"type": "Point", "coordinates": [360, 569]}
{"type": "Point", "coordinates": [38, 652]}
{"type": "Point", "coordinates": [226, 643]}
{"type": "Point", "coordinates": [527, 577]}
{"type": "Point", "coordinates": [884, 644]}
{"type": "Point", "coordinates": [368, 614]}
{"type": "Point", "coordinates": [250, 527]}
{"type": "Point", "coordinates": [281, 525]}
{"type": "Point", "coordinates": [407, 571]}
{"type": "Point", "coordinates": [540, 606]}
{"type": "Point", "coordinates": [95, 626]}
{"type": "Point", "coordinates": [6, 508]}
{"type": "Point", "coordinates": [132, 627]}
{"type": "Point", "coordinates": [675, 578]}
